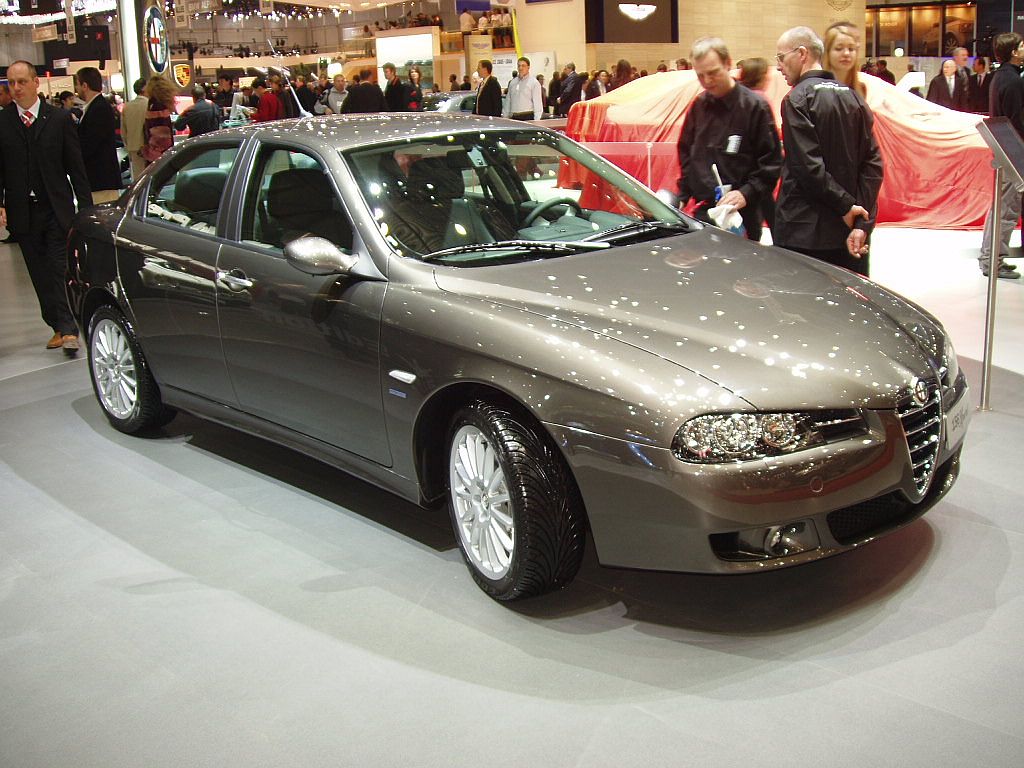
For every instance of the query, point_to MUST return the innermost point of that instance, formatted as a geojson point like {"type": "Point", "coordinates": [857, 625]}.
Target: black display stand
{"type": "Point", "coordinates": [1008, 160]}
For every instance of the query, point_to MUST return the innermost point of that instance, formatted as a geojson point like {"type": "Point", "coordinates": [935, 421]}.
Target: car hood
{"type": "Point", "coordinates": [776, 328]}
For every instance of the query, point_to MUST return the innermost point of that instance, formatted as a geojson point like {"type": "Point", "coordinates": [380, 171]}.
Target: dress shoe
{"type": "Point", "coordinates": [56, 342]}
{"type": "Point", "coordinates": [1004, 272]}
{"type": "Point", "coordinates": [70, 344]}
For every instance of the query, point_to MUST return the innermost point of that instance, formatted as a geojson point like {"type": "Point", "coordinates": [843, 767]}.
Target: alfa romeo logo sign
{"type": "Point", "coordinates": [919, 390]}
{"type": "Point", "coordinates": [154, 37]}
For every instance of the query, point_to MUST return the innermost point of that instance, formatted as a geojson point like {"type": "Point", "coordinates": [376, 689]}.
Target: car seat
{"type": "Point", "coordinates": [302, 202]}
{"type": "Point", "coordinates": [197, 192]}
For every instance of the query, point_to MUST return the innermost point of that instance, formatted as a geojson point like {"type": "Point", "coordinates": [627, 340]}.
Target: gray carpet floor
{"type": "Point", "coordinates": [203, 598]}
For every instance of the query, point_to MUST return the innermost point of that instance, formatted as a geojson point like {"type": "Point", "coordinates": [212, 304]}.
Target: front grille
{"type": "Point", "coordinates": [853, 524]}
{"type": "Point", "coordinates": [922, 425]}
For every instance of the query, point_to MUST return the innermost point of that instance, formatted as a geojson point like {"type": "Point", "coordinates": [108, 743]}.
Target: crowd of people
{"type": "Point", "coordinates": [731, 155]}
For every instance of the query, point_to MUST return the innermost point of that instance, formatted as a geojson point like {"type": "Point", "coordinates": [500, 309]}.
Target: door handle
{"type": "Point", "coordinates": [234, 280]}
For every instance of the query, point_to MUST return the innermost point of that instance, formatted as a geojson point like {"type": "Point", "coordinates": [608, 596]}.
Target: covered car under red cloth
{"type": "Point", "coordinates": [938, 172]}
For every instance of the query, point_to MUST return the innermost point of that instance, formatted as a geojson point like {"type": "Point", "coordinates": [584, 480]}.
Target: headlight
{"type": "Point", "coordinates": [951, 364]}
{"type": "Point", "coordinates": [742, 436]}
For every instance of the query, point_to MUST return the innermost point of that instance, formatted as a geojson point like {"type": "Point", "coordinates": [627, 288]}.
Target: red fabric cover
{"type": "Point", "coordinates": [938, 172]}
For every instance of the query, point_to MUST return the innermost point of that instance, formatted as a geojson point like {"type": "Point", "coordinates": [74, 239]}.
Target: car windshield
{"type": "Point", "coordinates": [517, 194]}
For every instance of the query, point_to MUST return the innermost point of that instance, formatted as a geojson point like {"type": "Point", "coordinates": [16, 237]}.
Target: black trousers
{"type": "Point", "coordinates": [44, 248]}
{"type": "Point", "coordinates": [839, 257]}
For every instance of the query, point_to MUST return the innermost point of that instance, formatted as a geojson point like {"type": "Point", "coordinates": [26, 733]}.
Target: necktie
{"type": "Point", "coordinates": [27, 119]}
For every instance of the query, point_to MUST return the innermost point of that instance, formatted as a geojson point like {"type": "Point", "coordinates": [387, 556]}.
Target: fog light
{"type": "Point", "coordinates": [767, 542]}
{"type": "Point", "coordinates": [791, 539]}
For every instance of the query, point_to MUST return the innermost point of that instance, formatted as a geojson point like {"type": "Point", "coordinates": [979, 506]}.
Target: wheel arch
{"type": "Point", "coordinates": [434, 418]}
{"type": "Point", "coordinates": [95, 298]}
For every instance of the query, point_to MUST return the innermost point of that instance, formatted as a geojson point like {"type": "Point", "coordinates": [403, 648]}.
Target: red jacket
{"type": "Point", "coordinates": [269, 108]}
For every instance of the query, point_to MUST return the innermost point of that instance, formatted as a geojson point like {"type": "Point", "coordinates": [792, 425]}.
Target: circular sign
{"type": "Point", "coordinates": [154, 38]}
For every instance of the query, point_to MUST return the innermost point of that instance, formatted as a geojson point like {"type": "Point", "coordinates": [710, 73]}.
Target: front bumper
{"type": "Point", "coordinates": [649, 510]}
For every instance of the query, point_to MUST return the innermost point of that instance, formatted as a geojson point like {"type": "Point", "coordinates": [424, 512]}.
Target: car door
{"type": "Point", "coordinates": [302, 351]}
{"type": "Point", "coordinates": [167, 257]}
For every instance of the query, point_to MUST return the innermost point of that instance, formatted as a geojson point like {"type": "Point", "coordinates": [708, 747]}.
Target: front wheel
{"type": "Point", "coordinates": [120, 377]}
{"type": "Point", "coordinates": [514, 506]}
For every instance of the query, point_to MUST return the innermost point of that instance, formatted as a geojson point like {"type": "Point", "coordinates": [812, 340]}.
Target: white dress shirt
{"type": "Point", "coordinates": [525, 94]}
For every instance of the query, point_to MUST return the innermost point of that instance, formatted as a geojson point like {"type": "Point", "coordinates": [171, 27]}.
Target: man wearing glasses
{"type": "Point", "coordinates": [833, 169]}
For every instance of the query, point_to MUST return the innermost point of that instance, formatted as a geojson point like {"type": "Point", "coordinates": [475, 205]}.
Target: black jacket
{"type": "Point", "coordinates": [53, 142]}
{"type": "Point", "coordinates": [201, 118]}
{"type": "Point", "coordinates": [978, 92]}
{"type": "Point", "coordinates": [96, 136]}
{"type": "Point", "coordinates": [395, 96]}
{"type": "Point", "coordinates": [569, 92]}
{"type": "Point", "coordinates": [307, 97]}
{"type": "Point", "coordinates": [737, 133]}
{"type": "Point", "coordinates": [938, 93]}
{"type": "Point", "coordinates": [488, 100]}
{"type": "Point", "coordinates": [832, 163]}
{"type": "Point", "coordinates": [365, 97]}
{"type": "Point", "coordinates": [1006, 97]}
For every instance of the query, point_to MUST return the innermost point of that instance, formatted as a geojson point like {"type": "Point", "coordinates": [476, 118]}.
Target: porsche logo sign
{"type": "Point", "coordinates": [182, 75]}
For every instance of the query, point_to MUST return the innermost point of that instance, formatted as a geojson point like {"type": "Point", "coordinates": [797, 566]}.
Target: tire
{"type": "Point", "coordinates": [514, 506]}
{"type": "Point", "coordinates": [120, 377]}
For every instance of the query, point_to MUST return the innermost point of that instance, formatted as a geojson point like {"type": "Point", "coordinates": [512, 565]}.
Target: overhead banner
{"type": "Point", "coordinates": [72, 35]}
{"type": "Point", "coordinates": [477, 47]}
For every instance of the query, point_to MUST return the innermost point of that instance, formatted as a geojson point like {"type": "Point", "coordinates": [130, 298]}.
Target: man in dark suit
{"type": "Point", "coordinates": [365, 97]}
{"type": "Point", "coordinates": [947, 88]}
{"type": "Point", "coordinates": [981, 83]}
{"type": "Point", "coordinates": [41, 175]}
{"type": "Point", "coordinates": [395, 94]}
{"type": "Point", "coordinates": [97, 137]}
{"type": "Point", "coordinates": [488, 95]}
{"type": "Point", "coordinates": [572, 85]}
{"type": "Point", "coordinates": [199, 118]}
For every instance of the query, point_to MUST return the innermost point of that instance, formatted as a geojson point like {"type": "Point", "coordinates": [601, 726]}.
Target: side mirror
{"type": "Point", "coordinates": [318, 256]}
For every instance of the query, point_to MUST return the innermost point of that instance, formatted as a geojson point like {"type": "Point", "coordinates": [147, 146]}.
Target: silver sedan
{"type": "Point", "coordinates": [483, 314]}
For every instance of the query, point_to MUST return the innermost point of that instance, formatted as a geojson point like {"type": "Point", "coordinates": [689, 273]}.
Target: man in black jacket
{"type": "Point", "coordinates": [570, 89]}
{"type": "Point", "coordinates": [395, 94]}
{"type": "Point", "coordinates": [734, 129]}
{"type": "Point", "coordinates": [980, 86]}
{"type": "Point", "coordinates": [365, 97]}
{"type": "Point", "coordinates": [199, 118]}
{"type": "Point", "coordinates": [1006, 99]}
{"type": "Point", "coordinates": [97, 137]}
{"type": "Point", "coordinates": [488, 95]}
{"type": "Point", "coordinates": [833, 169]}
{"type": "Point", "coordinates": [41, 175]}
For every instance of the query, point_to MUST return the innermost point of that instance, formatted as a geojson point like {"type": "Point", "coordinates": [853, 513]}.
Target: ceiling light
{"type": "Point", "coordinates": [637, 12]}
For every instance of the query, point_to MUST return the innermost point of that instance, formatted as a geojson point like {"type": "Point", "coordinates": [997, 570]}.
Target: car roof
{"type": "Point", "coordinates": [342, 132]}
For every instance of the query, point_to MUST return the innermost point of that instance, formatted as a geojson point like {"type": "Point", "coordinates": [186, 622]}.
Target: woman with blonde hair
{"type": "Point", "coordinates": [157, 132]}
{"type": "Point", "coordinates": [842, 45]}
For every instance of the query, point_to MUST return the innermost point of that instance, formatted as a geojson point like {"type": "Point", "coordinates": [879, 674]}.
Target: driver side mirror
{"type": "Point", "coordinates": [319, 256]}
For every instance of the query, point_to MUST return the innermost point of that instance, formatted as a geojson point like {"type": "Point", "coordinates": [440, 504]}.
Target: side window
{"type": "Point", "coordinates": [290, 196]}
{"type": "Point", "coordinates": [188, 189]}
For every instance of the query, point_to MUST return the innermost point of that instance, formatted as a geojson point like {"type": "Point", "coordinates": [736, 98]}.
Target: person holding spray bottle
{"type": "Point", "coordinates": [728, 140]}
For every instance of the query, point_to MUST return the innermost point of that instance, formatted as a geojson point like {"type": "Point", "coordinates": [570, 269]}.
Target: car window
{"type": "Point", "coordinates": [290, 196]}
{"type": "Point", "coordinates": [433, 194]}
{"type": "Point", "coordinates": [187, 190]}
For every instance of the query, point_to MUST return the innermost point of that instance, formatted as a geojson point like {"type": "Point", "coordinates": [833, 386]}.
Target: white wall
{"type": "Point", "coordinates": [555, 26]}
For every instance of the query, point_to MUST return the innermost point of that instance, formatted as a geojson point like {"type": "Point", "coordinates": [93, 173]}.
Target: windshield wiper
{"type": "Point", "coordinates": [550, 246]}
{"type": "Point", "coordinates": [639, 226]}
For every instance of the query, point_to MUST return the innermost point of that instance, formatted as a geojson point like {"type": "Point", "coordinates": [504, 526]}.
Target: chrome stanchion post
{"type": "Point", "coordinates": [993, 277]}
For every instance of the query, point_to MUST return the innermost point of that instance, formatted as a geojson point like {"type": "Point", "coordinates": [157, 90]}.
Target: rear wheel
{"type": "Point", "coordinates": [514, 506]}
{"type": "Point", "coordinates": [120, 377]}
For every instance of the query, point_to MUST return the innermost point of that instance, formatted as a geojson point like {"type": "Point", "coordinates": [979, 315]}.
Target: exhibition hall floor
{"type": "Point", "coordinates": [203, 598]}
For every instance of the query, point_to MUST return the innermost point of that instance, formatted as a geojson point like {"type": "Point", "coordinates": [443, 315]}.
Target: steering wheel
{"type": "Point", "coordinates": [547, 205]}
